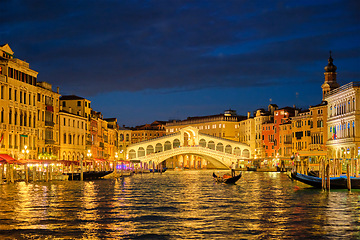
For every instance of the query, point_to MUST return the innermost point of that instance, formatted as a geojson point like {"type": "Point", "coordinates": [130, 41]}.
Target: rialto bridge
{"type": "Point", "coordinates": [189, 149]}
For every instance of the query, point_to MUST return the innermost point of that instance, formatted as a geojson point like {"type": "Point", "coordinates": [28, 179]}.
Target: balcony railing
{"type": "Point", "coordinates": [342, 88]}
{"type": "Point", "coordinates": [49, 141]}
{"type": "Point", "coordinates": [49, 124]}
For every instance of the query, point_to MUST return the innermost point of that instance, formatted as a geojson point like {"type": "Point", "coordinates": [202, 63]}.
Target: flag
{"type": "Point", "coordinates": [334, 133]}
{"type": "Point", "coordinates": [2, 137]}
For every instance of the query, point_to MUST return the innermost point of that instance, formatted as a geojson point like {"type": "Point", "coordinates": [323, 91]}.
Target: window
{"type": "Point", "coordinates": [79, 103]}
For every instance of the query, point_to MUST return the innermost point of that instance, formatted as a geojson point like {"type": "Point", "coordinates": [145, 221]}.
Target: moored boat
{"type": "Point", "coordinates": [88, 175]}
{"type": "Point", "coordinates": [335, 182]}
{"type": "Point", "coordinates": [226, 178]}
{"type": "Point", "coordinates": [157, 170]}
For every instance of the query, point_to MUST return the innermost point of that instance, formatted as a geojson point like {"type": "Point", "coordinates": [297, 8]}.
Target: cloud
{"type": "Point", "coordinates": [88, 47]}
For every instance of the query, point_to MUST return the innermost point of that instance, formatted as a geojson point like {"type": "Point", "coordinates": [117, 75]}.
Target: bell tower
{"type": "Point", "coordinates": [330, 77]}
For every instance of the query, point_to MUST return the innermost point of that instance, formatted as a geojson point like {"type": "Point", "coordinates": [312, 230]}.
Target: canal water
{"type": "Point", "coordinates": [178, 205]}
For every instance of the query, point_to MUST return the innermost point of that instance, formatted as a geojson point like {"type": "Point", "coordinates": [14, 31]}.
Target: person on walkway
{"type": "Point", "coordinates": [232, 169]}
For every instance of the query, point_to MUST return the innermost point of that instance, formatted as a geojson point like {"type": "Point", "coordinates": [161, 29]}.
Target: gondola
{"type": "Point", "coordinates": [230, 180]}
{"type": "Point", "coordinates": [88, 175]}
{"type": "Point", "coordinates": [335, 182]}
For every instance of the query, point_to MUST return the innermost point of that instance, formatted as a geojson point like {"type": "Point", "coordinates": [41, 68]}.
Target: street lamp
{"type": "Point", "coordinates": [116, 159]}
{"type": "Point", "coordinates": [89, 155]}
{"type": "Point", "coordinates": [25, 151]}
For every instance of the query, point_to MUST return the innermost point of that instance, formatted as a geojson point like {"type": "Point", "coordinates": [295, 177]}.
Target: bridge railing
{"type": "Point", "coordinates": [154, 139]}
{"type": "Point", "coordinates": [190, 150]}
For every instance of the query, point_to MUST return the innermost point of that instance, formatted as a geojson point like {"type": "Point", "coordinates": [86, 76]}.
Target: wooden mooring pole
{"type": "Point", "coordinates": [328, 177]}
{"type": "Point", "coordinates": [348, 177]}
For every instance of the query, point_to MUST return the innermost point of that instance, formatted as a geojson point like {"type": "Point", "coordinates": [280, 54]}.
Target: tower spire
{"type": "Point", "coordinates": [330, 77]}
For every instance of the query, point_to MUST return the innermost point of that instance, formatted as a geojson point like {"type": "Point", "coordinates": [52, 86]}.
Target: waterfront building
{"type": "Point", "coordinates": [343, 115]}
{"type": "Point", "coordinates": [72, 132]}
{"type": "Point", "coordinates": [225, 125]}
{"type": "Point", "coordinates": [148, 131]}
{"type": "Point", "coordinates": [261, 117]}
{"type": "Point", "coordinates": [81, 107]}
{"type": "Point", "coordinates": [18, 106]}
{"type": "Point", "coordinates": [48, 144]}
{"type": "Point", "coordinates": [271, 132]}
{"type": "Point", "coordinates": [318, 133]}
{"type": "Point", "coordinates": [285, 140]}
{"type": "Point", "coordinates": [301, 125]}
{"type": "Point", "coordinates": [112, 139]}
{"type": "Point", "coordinates": [124, 141]}
{"type": "Point", "coordinates": [343, 121]}
{"type": "Point", "coordinates": [246, 133]}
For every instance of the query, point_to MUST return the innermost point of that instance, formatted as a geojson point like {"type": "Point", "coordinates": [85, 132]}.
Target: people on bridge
{"type": "Point", "coordinates": [232, 169]}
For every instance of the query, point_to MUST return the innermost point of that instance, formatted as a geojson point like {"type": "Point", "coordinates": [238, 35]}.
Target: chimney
{"type": "Point", "coordinates": [248, 115]}
{"type": "Point", "coordinates": [57, 89]}
{"type": "Point", "coordinates": [69, 109]}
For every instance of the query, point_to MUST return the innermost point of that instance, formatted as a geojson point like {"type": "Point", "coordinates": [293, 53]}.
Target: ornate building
{"type": "Point", "coordinates": [225, 125]}
{"type": "Point", "coordinates": [343, 115]}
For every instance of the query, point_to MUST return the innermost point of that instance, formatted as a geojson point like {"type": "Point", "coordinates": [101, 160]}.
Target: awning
{"type": "Point", "coordinates": [4, 158]}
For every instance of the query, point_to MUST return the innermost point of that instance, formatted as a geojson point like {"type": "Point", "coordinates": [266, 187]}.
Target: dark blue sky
{"type": "Point", "coordinates": [141, 61]}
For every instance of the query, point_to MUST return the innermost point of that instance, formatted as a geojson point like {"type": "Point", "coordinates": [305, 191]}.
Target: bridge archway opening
{"type": "Point", "coordinates": [149, 149]}
{"type": "Point", "coordinates": [158, 147]}
{"type": "Point", "coordinates": [176, 143]}
{"type": "Point", "coordinates": [167, 146]}
{"type": "Point", "coordinates": [132, 154]}
{"type": "Point", "coordinates": [228, 149]}
{"type": "Point", "coordinates": [141, 152]}
{"type": "Point", "coordinates": [202, 143]}
{"type": "Point", "coordinates": [211, 145]}
{"type": "Point", "coordinates": [220, 147]}
{"type": "Point", "coordinates": [237, 151]}
{"type": "Point", "coordinates": [246, 153]}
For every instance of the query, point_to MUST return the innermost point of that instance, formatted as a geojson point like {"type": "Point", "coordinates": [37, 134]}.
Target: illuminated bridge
{"type": "Point", "coordinates": [189, 149]}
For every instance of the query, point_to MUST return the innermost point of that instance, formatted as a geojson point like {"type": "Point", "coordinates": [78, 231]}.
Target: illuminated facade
{"type": "Point", "coordinates": [224, 125]}
{"type": "Point", "coordinates": [48, 121]}
{"type": "Point", "coordinates": [28, 110]}
{"type": "Point", "coordinates": [261, 117]}
{"type": "Point", "coordinates": [72, 132]}
{"type": "Point", "coordinates": [148, 131]}
{"type": "Point", "coordinates": [343, 121]}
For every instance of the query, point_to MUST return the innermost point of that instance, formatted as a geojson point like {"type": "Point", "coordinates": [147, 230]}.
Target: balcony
{"type": "Point", "coordinates": [49, 141]}
{"type": "Point", "coordinates": [49, 124]}
{"type": "Point", "coordinates": [2, 78]}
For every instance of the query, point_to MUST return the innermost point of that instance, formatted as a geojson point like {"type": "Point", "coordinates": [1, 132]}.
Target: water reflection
{"type": "Point", "coordinates": [178, 205]}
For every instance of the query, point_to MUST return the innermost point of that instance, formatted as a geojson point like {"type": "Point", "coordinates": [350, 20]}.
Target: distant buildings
{"type": "Point", "coordinates": [67, 128]}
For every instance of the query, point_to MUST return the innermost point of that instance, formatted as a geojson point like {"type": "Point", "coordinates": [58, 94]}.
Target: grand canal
{"type": "Point", "coordinates": [178, 205]}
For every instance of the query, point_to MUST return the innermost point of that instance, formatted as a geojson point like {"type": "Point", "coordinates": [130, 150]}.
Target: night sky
{"type": "Point", "coordinates": [141, 61]}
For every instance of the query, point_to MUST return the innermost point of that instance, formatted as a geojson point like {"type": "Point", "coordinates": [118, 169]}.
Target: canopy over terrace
{"type": "Point", "coordinates": [4, 158]}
